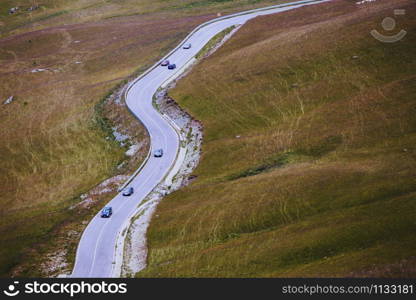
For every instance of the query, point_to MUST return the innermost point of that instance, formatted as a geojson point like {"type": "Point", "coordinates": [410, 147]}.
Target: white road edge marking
{"type": "Point", "coordinates": [284, 7]}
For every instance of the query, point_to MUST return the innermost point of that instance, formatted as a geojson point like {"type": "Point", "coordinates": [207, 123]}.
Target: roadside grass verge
{"type": "Point", "coordinates": [308, 165]}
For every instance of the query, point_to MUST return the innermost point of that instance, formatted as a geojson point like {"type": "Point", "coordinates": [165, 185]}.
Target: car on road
{"type": "Point", "coordinates": [158, 153]}
{"type": "Point", "coordinates": [106, 212]}
{"type": "Point", "coordinates": [172, 66]}
{"type": "Point", "coordinates": [165, 63]}
{"type": "Point", "coordinates": [187, 46]}
{"type": "Point", "coordinates": [128, 191]}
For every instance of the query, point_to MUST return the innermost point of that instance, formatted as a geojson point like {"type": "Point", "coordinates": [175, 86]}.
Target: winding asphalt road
{"type": "Point", "coordinates": [96, 250]}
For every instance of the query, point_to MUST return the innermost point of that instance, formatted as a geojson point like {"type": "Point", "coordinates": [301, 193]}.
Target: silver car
{"type": "Point", "coordinates": [106, 212]}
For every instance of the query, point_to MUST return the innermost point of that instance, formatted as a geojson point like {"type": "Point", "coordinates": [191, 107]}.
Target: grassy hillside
{"type": "Point", "coordinates": [59, 61]}
{"type": "Point", "coordinates": [309, 155]}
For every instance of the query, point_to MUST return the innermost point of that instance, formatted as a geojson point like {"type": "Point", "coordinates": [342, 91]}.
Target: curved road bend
{"type": "Point", "coordinates": [96, 249]}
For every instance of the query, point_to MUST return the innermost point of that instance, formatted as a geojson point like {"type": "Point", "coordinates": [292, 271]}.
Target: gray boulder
{"type": "Point", "coordinates": [9, 100]}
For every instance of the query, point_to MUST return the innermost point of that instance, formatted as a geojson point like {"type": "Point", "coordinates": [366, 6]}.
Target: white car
{"type": "Point", "coordinates": [187, 46]}
{"type": "Point", "coordinates": [128, 191]}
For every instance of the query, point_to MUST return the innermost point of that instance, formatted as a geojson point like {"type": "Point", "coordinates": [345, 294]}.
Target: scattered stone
{"type": "Point", "coordinates": [55, 262]}
{"type": "Point", "coordinates": [294, 85]}
{"type": "Point", "coordinates": [405, 150]}
{"type": "Point", "coordinates": [135, 256]}
{"type": "Point", "coordinates": [9, 100]}
{"type": "Point", "coordinates": [192, 178]}
{"type": "Point", "coordinates": [355, 57]}
{"type": "Point", "coordinates": [238, 136]}
{"type": "Point", "coordinates": [107, 186]}
{"type": "Point", "coordinates": [72, 233]}
{"type": "Point", "coordinates": [13, 10]}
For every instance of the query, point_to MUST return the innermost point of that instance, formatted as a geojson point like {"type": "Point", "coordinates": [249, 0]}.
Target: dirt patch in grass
{"type": "Point", "coordinates": [135, 248]}
{"type": "Point", "coordinates": [403, 268]}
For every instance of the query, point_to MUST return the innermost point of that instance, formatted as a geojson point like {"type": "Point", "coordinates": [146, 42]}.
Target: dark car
{"type": "Point", "coordinates": [165, 63]}
{"type": "Point", "coordinates": [172, 66]}
{"type": "Point", "coordinates": [158, 153]}
{"type": "Point", "coordinates": [106, 212]}
{"type": "Point", "coordinates": [187, 46]}
{"type": "Point", "coordinates": [128, 191]}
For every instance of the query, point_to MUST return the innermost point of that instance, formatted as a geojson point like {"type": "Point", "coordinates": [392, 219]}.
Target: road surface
{"type": "Point", "coordinates": [96, 250]}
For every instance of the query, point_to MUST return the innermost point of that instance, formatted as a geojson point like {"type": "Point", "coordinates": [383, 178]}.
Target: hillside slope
{"type": "Point", "coordinates": [59, 61]}
{"type": "Point", "coordinates": [309, 155]}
